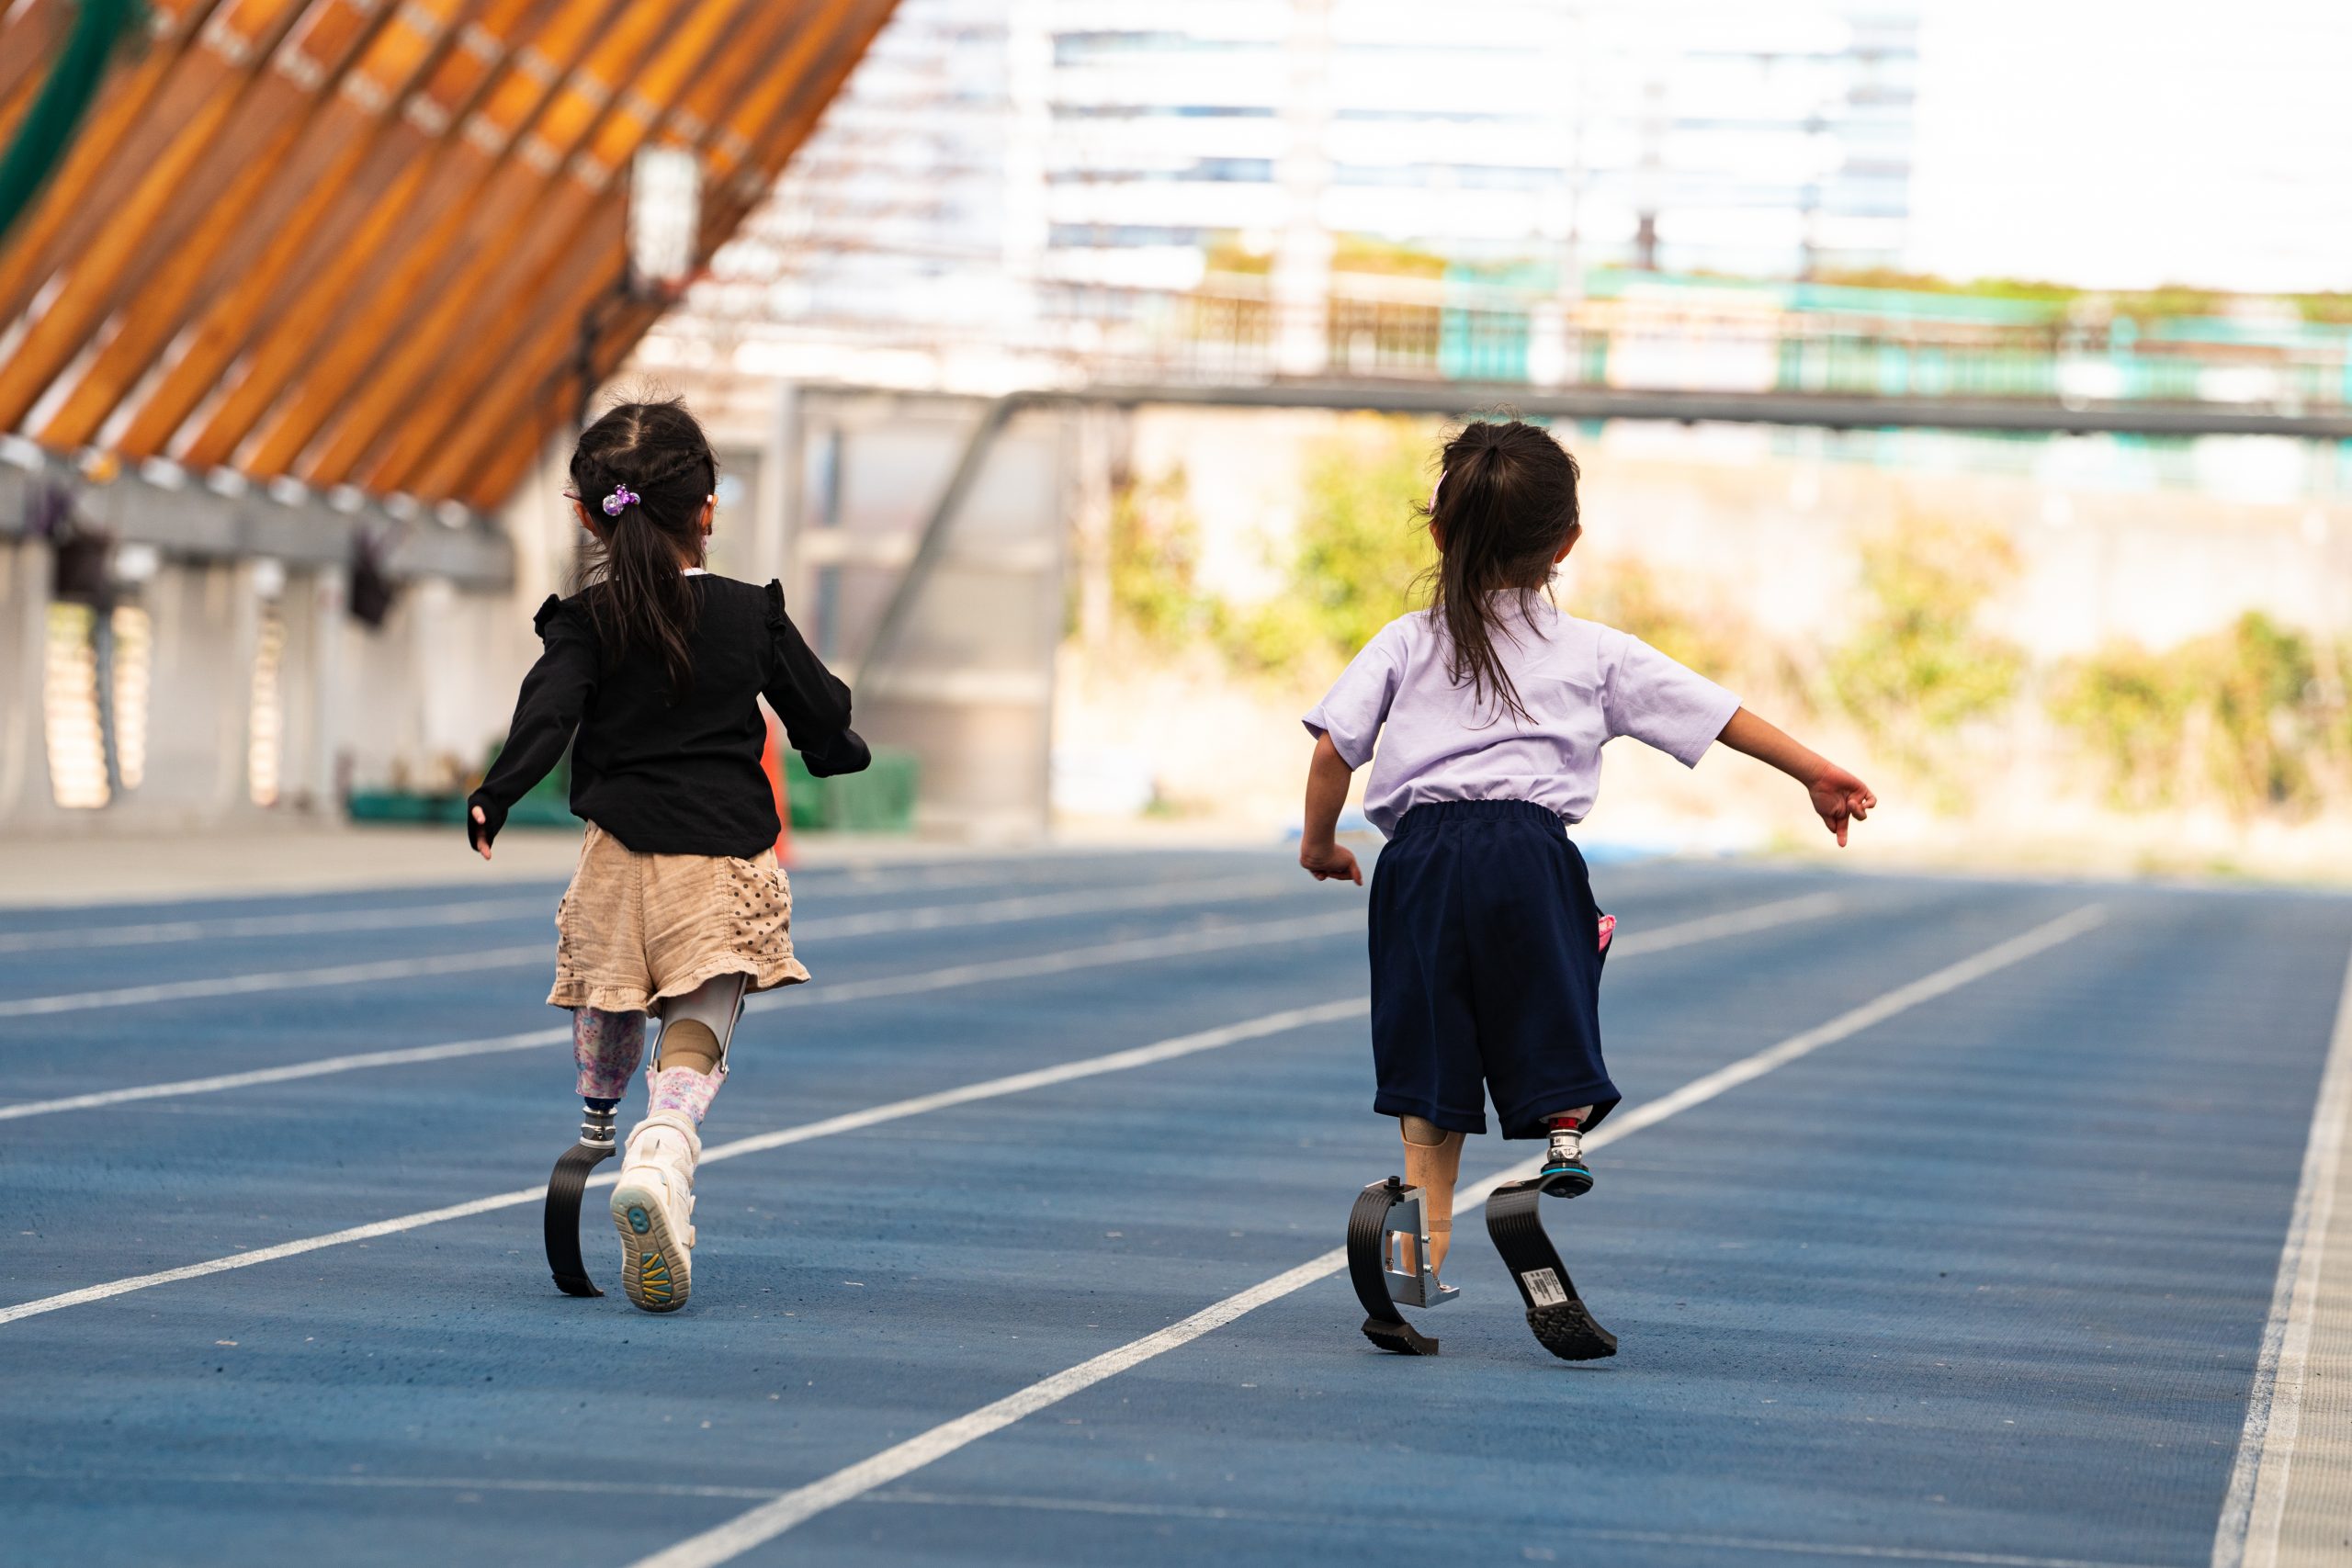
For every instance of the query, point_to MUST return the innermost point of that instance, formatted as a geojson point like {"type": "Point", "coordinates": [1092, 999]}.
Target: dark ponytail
{"type": "Point", "coordinates": [1505, 503]}
{"type": "Point", "coordinates": [643, 472]}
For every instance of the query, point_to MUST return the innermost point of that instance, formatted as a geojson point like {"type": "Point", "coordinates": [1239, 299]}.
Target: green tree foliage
{"type": "Point", "coordinates": [2131, 709]}
{"type": "Point", "coordinates": [2269, 727]}
{"type": "Point", "coordinates": [1358, 556]}
{"type": "Point", "coordinates": [2258, 704]}
{"type": "Point", "coordinates": [1918, 666]}
{"type": "Point", "coordinates": [1155, 554]}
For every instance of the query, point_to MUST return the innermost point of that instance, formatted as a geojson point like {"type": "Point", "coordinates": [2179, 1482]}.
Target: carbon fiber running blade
{"type": "Point", "coordinates": [1554, 1311]}
{"type": "Point", "coordinates": [560, 1220]}
{"type": "Point", "coordinates": [1367, 1236]}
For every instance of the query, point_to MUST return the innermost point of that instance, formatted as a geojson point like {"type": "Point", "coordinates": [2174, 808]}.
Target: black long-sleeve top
{"type": "Point", "coordinates": [665, 775]}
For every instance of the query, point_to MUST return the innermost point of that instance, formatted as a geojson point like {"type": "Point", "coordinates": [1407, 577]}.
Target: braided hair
{"type": "Point", "coordinates": [643, 472]}
{"type": "Point", "coordinates": [1505, 503]}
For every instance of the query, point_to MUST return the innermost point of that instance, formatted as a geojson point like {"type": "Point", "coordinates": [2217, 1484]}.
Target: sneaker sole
{"type": "Point", "coordinates": [656, 1272]}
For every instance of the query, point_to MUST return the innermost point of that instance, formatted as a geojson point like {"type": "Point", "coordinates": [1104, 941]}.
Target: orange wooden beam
{"type": "Point", "coordinates": [345, 377]}
{"type": "Point", "coordinates": [103, 160]}
{"type": "Point", "coordinates": [743, 157]}
{"type": "Point", "coordinates": [29, 40]}
{"type": "Point", "coordinates": [132, 235]}
{"type": "Point", "coordinates": [526, 399]}
{"type": "Point", "coordinates": [387, 259]}
{"type": "Point", "coordinates": [564, 226]}
{"type": "Point", "coordinates": [346, 428]}
{"type": "Point", "coordinates": [367, 172]}
{"type": "Point", "coordinates": [289, 161]}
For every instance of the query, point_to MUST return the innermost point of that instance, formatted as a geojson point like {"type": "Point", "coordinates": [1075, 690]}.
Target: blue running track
{"type": "Point", "coordinates": [1980, 1279]}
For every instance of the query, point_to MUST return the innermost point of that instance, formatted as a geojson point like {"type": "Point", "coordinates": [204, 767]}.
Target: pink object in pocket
{"type": "Point", "coordinates": [1608, 929]}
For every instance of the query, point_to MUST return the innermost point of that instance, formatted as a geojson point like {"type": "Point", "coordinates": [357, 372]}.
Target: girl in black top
{"type": "Point", "coordinates": [652, 675]}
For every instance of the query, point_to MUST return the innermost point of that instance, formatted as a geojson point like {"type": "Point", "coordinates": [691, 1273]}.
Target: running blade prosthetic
{"type": "Point", "coordinates": [1389, 1262]}
{"type": "Point", "coordinates": [560, 1220]}
{"type": "Point", "coordinates": [1554, 1311]}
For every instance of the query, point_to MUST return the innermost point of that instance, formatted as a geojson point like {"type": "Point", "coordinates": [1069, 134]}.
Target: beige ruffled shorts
{"type": "Point", "coordinates": [635, 928]}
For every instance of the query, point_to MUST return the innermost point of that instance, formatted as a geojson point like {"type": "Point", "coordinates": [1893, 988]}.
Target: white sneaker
{"type": "Point", "coordinates": [653, 1208]}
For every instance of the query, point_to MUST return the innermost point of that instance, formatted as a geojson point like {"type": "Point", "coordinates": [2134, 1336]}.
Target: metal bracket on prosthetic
{"type": "Point", "coordinates": [1554, 1311]}
{"type": "Point", "coordinates": [690, 1055]}
{"type": "Point", "coordinates": [560, 1220]}
{"type": "Point", "coordinates": [1389, 1263]}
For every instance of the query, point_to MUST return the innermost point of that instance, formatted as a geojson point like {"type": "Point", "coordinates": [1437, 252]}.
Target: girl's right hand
{"type": "Point", "coordinates": [1840, 797]}
{"type": "Point", "coordinates": [481, 841]}
{"type": "Point", "coordinates": [1333, 862]}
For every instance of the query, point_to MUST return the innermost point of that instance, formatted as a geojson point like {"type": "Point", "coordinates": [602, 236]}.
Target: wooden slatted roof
{"type": "Point", "coordinates": [353, 241]}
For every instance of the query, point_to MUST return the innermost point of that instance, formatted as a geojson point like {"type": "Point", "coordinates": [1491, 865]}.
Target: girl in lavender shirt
{"type": "Point", "coordinates": [1489, 710]}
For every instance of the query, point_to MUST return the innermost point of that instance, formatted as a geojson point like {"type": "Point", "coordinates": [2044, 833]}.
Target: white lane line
{"type": "Point", "coordinates": [477, 912]}
{"type": "Point", "coordinates": [872, 1116]}
{"type": "Point", "coordinates": [2254, 1507]}
{"type": "Point", "coordinates": [773, 1519]}
{"type": "Point", "coordinates": [1812, 906]}
{"type": "Point", "coordinates": [77, 938]}
{"type": "Point", "coordinates": [276, 980]}
{"type": "Point", "coordinates": [1664, 938]}
{"type": "Point", "coordinates": [1001, 911]}
{"type": "Point", "coordinates": [1030, 966]}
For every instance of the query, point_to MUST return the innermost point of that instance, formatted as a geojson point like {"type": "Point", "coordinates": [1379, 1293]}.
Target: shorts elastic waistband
{"type": "Point", "coordinates": [1437, 813]}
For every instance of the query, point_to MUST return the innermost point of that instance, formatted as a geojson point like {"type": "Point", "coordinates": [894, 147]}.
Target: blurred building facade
{"type": "Point", "coordinates": [1004, 179]}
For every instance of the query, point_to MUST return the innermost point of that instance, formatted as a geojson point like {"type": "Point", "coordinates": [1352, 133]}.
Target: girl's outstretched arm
{"type": "Point", "coordinates": [546, 715]}
{"type": "Point", "coordinates": [1327, 791]}
{"type": "Point", "coordinates": [1837, 795]}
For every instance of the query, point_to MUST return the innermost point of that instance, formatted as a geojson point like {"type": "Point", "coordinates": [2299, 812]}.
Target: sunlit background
{"type": "Point", "coordinates": [1965, 383]}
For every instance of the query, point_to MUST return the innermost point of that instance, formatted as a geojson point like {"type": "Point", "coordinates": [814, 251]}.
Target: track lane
{"type": "Point", "coordinates": [956, 1286]}
{"type": "Point", "coordinates": [1776, 917]}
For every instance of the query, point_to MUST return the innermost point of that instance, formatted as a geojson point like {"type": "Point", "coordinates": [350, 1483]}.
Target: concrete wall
{"type": "Point", "coordinates": [417, 699]}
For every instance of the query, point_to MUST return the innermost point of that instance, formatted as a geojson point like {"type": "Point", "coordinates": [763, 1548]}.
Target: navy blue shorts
{"type": "Point", "coordinates": [1486, 970]}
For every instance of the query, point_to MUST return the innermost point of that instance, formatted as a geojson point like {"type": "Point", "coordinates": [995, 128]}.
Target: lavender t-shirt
{"type": "Point", "coordinates": [1582, 684]}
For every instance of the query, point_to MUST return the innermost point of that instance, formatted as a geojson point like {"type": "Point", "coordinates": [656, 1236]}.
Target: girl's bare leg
{"type": "Point", "coordinates": [1432, 1162]}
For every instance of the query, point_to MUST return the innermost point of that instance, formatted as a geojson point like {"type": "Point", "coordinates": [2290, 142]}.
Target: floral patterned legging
{"type": "Point", "coordinates": [608, 1048]}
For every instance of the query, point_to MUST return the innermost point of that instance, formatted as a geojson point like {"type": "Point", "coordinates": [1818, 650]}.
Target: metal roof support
{"type": "Point", "coordinates": [932, 542]}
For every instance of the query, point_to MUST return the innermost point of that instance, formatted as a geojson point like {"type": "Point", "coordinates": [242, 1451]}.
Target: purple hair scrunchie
{"type": "Point", "coordinates": [620, 500]}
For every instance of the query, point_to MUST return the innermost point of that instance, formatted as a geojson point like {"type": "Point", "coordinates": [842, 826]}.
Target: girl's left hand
{"type": "Point", "coordinates": [1840, 797]}
{"type": "Point", "coordinates": [481, 841]}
